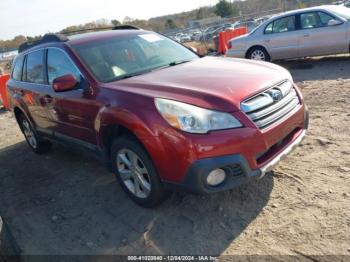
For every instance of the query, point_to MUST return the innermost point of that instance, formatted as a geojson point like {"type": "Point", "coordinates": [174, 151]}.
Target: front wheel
{"type": "Point", "coordinates": [136, 173]}
{"type": "Point", "coordinates": [258, 53]}
{"type": "Point", "coordinates": [38, 145]}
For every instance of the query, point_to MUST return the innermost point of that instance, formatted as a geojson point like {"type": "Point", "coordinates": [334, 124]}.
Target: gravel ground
{"type": "Point", "coordinates": [67, 203]}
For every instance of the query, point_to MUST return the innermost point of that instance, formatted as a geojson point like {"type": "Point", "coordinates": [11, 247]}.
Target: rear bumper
{"type": "Point", "coordinates": [236, 167]}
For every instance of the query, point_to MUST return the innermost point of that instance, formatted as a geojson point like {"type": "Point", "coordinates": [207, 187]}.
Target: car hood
{"type": "Point", "coordinates": [210, 82]}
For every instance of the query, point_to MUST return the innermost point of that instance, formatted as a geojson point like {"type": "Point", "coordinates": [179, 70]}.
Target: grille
{"type": "Point", "coordinates": [272, 105]}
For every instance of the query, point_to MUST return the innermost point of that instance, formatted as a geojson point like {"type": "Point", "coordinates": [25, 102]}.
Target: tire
{"type": "Point", "coordinates": [37, 144]}
{"type": "Point", "coordinates": [136, 173]}
{"type": "Point", "coordinates": [258, 53]}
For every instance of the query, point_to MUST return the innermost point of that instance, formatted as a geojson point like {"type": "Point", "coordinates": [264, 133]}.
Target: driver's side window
{"type": "Point", "coordinates": [59, 64]}
{"type": "Point", "coordinates": [325, 18]}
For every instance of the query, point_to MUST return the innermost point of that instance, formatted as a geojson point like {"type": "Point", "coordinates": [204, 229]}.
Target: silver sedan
{"type": "Point", "coordinates": [312, 31]}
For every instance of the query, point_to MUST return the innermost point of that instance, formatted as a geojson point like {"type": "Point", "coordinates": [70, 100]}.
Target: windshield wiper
{"type": "Point", "coordinates": [148, 71]}
{"type": "Point", "coordinates": [128, 76]}
{"type": "Point", "coordinates": [179, 62]}
{"type": "Point", "coordinates": [170, 65]}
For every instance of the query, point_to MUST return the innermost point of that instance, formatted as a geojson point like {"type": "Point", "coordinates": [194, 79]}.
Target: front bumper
{"type": "Point", "coordinates": [197, 174]}
{"type": "Point", "coordinates": [236, 167]}
{"type": "Point", "coordinates": [269, 166]}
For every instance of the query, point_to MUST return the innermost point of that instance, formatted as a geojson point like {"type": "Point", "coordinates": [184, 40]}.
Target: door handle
{"type": "Point", "coordinates": [267, 41]}
{"type": "Point", "coordinates": [306, 35]}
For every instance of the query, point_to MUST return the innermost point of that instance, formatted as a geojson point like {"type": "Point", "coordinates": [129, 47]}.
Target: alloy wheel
{"type": "Point", "coordinates": [29, 134]}
{"type": "Point", "coordinates": [258, 55]}
{"type": "Point", "coordinates": [133, 173]}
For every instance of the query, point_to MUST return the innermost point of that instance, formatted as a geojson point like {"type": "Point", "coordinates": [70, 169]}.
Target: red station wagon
{"type": "Point", "coordinates": [160, 116]}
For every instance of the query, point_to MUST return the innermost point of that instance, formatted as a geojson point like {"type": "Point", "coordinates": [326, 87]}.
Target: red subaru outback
{"type": "Point", "coordinates": [159, 115]}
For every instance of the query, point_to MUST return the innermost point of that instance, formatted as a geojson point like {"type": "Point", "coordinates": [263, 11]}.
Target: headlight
{"type": "Point", "coordinates": [194, 119]}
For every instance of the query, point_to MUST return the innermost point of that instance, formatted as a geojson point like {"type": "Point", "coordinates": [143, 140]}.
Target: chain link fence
{"type": "Point", "coordinates": [204, 33]}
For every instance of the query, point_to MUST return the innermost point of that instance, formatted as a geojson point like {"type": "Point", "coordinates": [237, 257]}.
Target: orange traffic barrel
{"type": "Point", "coordinates": [3, 91]}
{"type": "Point", "coordinates": [226, 36]}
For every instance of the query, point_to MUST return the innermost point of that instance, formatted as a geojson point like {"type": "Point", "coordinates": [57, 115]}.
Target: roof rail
{"type": "Point", "coordinates": [47, 38]}
{"type": "Point", "coordinates": [125, 27]}
{"type": "Point", "coordinates": [119, 27]}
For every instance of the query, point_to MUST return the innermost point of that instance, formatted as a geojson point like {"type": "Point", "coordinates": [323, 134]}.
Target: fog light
{"type": "Point", "coordinates": [216, 177]}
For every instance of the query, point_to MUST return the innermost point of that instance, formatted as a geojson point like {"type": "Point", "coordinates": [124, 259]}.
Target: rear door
{"type": "Point", "coordinates": [281, 38]}
{"type": "Point", "coordinates": [33, 89]}
{"type": "Point", "coordinates": [318, 38]}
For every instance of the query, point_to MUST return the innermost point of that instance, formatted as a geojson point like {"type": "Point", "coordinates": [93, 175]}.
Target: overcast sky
{"type": "Point", "coordinates": [35, 17]}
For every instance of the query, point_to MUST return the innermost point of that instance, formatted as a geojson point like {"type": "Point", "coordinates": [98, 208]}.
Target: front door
{"type": "Point", "coordinates": [72, 112]}
{"type": "Point", "coordinates": [318, 37]}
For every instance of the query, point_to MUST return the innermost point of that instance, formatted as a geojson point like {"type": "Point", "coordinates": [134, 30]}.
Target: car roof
{"type": "Point", "coordinates": [54, 39]}
{"type": "Point", "coordinates": [315, 8]}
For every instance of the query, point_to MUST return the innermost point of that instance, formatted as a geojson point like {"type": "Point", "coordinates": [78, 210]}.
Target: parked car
{"type": "Point", "coordinates": [196, 36]}
{"type": "Point", "coordinates": [312, 31]}
{"type": "Point", "coordinates": [213, 34]}
{"type": "Point", "coordinates": [159, 116]}
{"type": "Point", "coordinates": [185, 38]}
{"type": "Point", "coordinates": [210, 32]}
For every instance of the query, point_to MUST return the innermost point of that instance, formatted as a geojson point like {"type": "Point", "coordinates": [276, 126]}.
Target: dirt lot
{"type": "Point", "coordinates": [66, 203]}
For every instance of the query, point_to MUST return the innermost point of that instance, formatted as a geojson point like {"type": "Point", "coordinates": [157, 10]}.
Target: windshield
{"type": "Point", "coordinates": [126, 56]}
{"type": "Point", "coordinates": [341, 11]}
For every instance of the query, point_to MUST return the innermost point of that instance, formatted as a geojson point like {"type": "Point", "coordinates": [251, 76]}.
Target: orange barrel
{"type": "Point", "coordinates": [230, 34]}
{"type": "Point", "coordinates": [224, 40]}
{"type": "Point", "coordinates": [3, 91]}
{"type": "Point", "coordinates": [221, 42]}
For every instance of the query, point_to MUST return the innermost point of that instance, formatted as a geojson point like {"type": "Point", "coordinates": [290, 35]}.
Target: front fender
{"type": "Point", "coordinates": [138, 114]}
{"type": "Point", "coordinates": [147, 127]}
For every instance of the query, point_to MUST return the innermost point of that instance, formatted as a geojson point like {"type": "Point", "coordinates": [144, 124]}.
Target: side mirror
{"type": "Point", "coordinates": [64, 83]}
{"type": "Point", "coordinates": [334, 22]}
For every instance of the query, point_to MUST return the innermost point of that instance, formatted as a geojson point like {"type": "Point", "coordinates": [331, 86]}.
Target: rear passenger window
{"type": "Point", "coordinates": [282, 25]}
{"type": "Point", "coordinates": [17, 69]}
{"type": "Point", "coordinates": [269, 29]}
{"type": "Point", "coordinates": [35, 69]}
{"type": "Point", "coordinates": [59, 64]}
{"type": "Point", "coordinates": [310, 20]}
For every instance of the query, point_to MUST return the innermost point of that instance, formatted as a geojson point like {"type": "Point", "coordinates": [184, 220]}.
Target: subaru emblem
{"type": "Point", "coordinates": [276, 95]}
